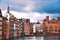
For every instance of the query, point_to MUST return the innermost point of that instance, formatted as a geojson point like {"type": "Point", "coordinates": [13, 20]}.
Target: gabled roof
{"type": "Point", "coordinates": [53, 20]}
{"type": "Point", "coordinates": [4, 18]}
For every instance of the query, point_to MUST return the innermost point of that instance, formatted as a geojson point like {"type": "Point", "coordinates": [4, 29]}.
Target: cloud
{"type": "Point", "coordinates": [49, 6]}
{"type": "Point", "coordinates": [33, 16]}
{"type": "Point", "coordinates": [19, 5]}
{"type": "Point", "coordinates": [29, 7]}
{"type": "Point", "coordinates": [33, 9]}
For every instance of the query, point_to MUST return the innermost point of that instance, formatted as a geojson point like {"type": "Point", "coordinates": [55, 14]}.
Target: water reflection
{"type": "Point", "coordinates": [32, 38]}
{"type": "Point", "coordinates": [39, 38]}
{"type": "Point", "coordinates": [52, 38]}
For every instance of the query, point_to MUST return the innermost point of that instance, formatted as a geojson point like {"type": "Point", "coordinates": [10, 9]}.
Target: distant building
{"type": "Point", "coordinates": [51, 26]}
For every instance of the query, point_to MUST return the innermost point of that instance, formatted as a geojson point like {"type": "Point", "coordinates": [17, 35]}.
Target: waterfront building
{"type": "Point", "coordinates": [5, 28]}
{"type": "Point", "coordinates": [1, 22]}
{"type": "Point", "coordinates": [31, 28]}
{"type": "Point", "coordinates": [15, 27]}
{"type": "Point", "coordinates": [51, 26]}
{"type": "Point", "coordinates": [21, 27]}
{"type": "Point", "coordinates": [26, 26]}
{"type": "Point", "coordinates": [18, 27]}
{"type": "Point", "coordinates": [10, 18]}
{"type": "Point", "coordinates": [58, 22]}
{"type": "Point", "coordinates": [38, 28]}
{"type": "Point", "coordinates": [34, 28]}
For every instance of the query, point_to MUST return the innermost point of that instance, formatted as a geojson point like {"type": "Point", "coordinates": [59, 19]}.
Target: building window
{"type": "Point", "coordinates": [0, 23]}
{"type": "Point", "coordinates": [0, 32]}
{"type": "Point", "coordinates": [48, 22]}
{"type": "Point", "coordinates": [59, 29]}
{"type": "Point", "coordinates": [45, 29]}
{"type": "Point", "coordinates": [51, 29]}
{"type": "Point", "coordinates": [0, 18]}
{"type": "Point", "coordinates": [55, 28]}
{"type": "Point", "coordinates": [0, 27]}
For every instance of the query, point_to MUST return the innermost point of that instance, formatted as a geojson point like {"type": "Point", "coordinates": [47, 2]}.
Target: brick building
{"type": "Point", "coordinates": [5, 28]}
{"type": "Point", "coordinates": [31, 28]}
{"type": "Point", "coordinates": [21, 27]}
{"type": "Point", "coordinates": [26, 26]}
{"type": "Point", "coordinates": [11, 19]}
{"type": "Point", "coordinates": [51, 26]}
{"type": "Point", "coordinates": [15, 27]}
{"type": "Point", "coordinates": [1, 18]}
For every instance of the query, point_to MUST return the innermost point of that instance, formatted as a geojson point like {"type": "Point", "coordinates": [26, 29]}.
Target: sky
{"type": "Point", "coordinates": [33, 9]}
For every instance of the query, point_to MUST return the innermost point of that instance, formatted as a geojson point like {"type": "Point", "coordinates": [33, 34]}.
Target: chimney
{"type": "Point", "coordinates": [0, 13]}
{"type": "Point", "coordinates": [47, 17]}
{"type": "Point", "coordinates": [58, 19]}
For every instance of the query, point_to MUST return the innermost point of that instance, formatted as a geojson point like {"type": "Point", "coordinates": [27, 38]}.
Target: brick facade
{"type": "Point", "coordinates": [26, 26]}
{"type": "Point", "coordinates": [1, 24]}
{"type": "Point", "coordinates": [5, 28]}
{"type": "Point", "coordinates": [51, 26]}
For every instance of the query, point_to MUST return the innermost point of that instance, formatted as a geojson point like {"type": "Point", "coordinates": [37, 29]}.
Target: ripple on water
{"type": "Point", "coordinates": [31, 38]}
{"type": "Point", "coordinates": [41, 38]}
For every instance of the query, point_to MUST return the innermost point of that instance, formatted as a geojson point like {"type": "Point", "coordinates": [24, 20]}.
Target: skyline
{"type": "Point", "coordinates": [32, 9]}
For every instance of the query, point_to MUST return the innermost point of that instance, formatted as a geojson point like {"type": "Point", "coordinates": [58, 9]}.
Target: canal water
{"type": "Point", "coordinates": [39, 38]}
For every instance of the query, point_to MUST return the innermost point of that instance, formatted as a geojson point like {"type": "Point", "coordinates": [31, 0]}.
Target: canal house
{"type": "Point", "coordinates": [10, 18]}
{"type": "Point", "coordinates": [1, 18]}
{"type": "Point", "coordinates": [15, 27]}
{"type": "Point", "coordinates": [26, 26]}
{"type": "Point", "coordinates": [5, 28]}
{"type": "Point", "coordinates": [52, 26]}
{"type": "Point", "coordinates": [21, 27]}
{"type": "Point", "coordinates": [38, 28]}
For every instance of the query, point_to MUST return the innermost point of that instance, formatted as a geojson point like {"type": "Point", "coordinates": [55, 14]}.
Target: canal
{"type": "Point", "coordinates": [40, 38]}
